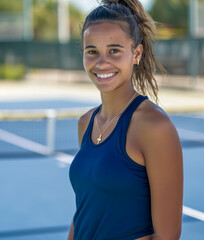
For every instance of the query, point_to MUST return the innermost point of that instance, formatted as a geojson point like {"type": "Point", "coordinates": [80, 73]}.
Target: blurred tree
{"type": "Point", "coordinates": [45, 20]}
{"type": "Point", "coordinates": [45, 17]}
{"type": "Point", "coordinates": [7, 6]}
{"type": "Point", "coordinates": [76, 19]}
{"type": "Point", "coordinates": [173, 13]}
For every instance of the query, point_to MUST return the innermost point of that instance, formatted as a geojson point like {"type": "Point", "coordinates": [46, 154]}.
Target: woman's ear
{"type": "Point", "coordinates": [138, 54]}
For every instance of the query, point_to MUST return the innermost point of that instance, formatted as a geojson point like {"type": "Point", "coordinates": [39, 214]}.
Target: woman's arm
{"type": "Point", "coordinates": [164, 163]}
{"type": "Point", "coordinates": [71, 232]}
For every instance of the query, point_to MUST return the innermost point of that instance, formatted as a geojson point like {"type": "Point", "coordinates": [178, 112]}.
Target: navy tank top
{"type": "Point", "coordinates": [112, 191]}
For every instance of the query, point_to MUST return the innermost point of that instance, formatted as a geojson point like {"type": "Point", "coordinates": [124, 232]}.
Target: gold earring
{"type": "Point", "coordinates": [138, 62]}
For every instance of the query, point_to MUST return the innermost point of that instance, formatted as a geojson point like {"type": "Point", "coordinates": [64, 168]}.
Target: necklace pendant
{"type": "Point", "coordinates": [99, 139]}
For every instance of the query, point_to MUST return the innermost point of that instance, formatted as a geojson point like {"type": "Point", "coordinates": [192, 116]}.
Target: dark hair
{"type": "Point", "coordinates": [141, 29]}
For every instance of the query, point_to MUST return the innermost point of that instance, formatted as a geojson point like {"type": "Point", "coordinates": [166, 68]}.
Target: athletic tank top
{"type": "Point", "coordinates": [112, 191]}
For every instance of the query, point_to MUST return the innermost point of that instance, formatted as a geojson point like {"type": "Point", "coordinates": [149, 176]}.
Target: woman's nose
{"type": "Point", "coordinates": [102, 61]}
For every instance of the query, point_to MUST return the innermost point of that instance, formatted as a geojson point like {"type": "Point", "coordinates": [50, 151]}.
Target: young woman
{"type": "Point", "coordinates": [128, 173]}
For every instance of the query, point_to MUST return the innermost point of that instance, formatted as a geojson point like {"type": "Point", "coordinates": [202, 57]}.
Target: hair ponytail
{"type": "Point", "coordinates": [143, 75]}
{"type": "Point", "coordinates": [141, 29]}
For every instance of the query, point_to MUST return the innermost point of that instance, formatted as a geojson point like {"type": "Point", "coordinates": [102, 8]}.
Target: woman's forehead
{"type": "Point", "coordinates": [105, 29]}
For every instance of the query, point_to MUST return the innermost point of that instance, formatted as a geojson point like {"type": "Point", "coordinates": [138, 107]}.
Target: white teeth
{"type": "Point", "coordinates": [105, 75]}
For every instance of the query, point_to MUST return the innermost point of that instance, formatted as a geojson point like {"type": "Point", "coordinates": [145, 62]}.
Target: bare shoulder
{"type": "Point", "coordinates": [85, 118]}
{"type": "Point", "coordinates": [83, 123]}
{"type": "Point", "coordinates": [152, 118]}
{"type": "Point", "coordinates": [151, 125]}
{"type": "Point", "coordinates": [155, 130]}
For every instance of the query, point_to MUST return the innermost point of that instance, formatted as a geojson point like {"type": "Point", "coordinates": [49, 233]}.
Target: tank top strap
{"type": "Point", "coordinates": [90, 125]}
{"type": "Point", "coordinates": [126, 117]}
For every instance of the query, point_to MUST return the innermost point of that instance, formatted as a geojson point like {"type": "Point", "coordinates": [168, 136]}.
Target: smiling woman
{"type": "Point", "coordinates": [108, 55]}
{"type": "Point", "coordinates": [128, 173]}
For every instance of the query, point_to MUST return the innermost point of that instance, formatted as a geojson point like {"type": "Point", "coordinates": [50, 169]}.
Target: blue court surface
{"type": "Point", "coordinates": [36, 198]}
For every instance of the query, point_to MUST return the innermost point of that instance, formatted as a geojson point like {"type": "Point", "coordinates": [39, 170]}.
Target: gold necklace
{"type": "Point", "coordinates": [99, 139]}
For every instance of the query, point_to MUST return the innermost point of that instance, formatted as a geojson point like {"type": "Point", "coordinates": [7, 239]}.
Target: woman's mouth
{"type": "Point", "coordinates": [105, 77]}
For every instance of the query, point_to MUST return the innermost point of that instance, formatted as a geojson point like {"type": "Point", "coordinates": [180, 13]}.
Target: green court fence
{"type": "Point", "coordinates": [178, 56]}
{"type": "Point", "coordinates": [42, 54]}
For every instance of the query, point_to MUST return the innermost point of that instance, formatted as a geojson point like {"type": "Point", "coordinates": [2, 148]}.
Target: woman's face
{"type": "Point", "coordinates": [108, 56]}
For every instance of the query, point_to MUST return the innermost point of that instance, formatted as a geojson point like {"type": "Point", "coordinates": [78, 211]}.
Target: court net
{"type": "Point", "coordinates": [39, 132]}
{"type": "Point", "coordinates": [25, 133]}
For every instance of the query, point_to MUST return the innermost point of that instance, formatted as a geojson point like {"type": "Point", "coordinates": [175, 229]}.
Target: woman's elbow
{"type": "Point", "coordinates": [168, 236]}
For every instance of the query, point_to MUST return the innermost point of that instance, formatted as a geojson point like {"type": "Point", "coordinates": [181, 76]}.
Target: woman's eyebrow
{"type": "Point", "coordinates": [110, 45]}
{"type": "Point", "coordinates": [115, 45]}
{"type": "Point", "coordinates": [90, 46]}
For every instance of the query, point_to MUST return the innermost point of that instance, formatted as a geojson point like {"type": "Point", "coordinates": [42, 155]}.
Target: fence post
{"type": "Point", "coordinates": [193, 44]}
{"type": "Point", "coordinates": [50, 134]}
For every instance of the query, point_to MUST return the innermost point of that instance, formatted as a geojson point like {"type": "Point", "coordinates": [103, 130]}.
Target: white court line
{"type": "Point", "coordinates": [63, 157]}
{"type": "Point", "coordinates": [33, 146]}
{"type": "Point", "coordinates": [190, 134]}
{"type": "Point", "coordinates": [193, 213]}
{"type": "Point", "coordinates": [22, 142]}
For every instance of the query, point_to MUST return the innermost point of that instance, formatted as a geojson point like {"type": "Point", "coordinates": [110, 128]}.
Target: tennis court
{"type": "Point", "coordinates": [37, 201]}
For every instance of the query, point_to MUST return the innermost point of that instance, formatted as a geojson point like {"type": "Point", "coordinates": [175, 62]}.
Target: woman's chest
{"type": "Point", "coordinates": [106, 169]}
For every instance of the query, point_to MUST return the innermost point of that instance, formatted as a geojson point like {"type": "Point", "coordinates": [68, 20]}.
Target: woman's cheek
{"type": "Point", "coordinates": [87, 62]}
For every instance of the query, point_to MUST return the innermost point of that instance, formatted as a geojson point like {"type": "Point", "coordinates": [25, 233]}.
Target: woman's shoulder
{"type": "Point", "coordinates": [86, 117]}
{"type": "Point", "coordinates": [149, 129]}
{"type": "Point", "coordinates": [152, 128]}
{"type": "Point", "coordinates": [83, 123]}
{"type": "Point", "coordinates": [151, 119]}
{"type": "Point", "coordinates": [150, 114]}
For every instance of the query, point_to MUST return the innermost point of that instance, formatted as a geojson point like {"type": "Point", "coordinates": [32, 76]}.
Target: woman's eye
{"type": "Point", "coordinates": [114, 51]}
{"type": "Point", "coordinates": [91, 52]}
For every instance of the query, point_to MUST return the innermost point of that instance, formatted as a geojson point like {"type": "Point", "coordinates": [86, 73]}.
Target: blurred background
{"type": "Point", "coordinates": [44, 89]}
{"type": "Point", "coordinates": [41, 35]}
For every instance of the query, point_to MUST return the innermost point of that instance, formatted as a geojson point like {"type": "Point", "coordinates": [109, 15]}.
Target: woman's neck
{"type": "Point", "coordinates": [114, 102]}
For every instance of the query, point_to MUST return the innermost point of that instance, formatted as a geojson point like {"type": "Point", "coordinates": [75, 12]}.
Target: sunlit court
{"type": "Point", "coordinates": [44, 90]}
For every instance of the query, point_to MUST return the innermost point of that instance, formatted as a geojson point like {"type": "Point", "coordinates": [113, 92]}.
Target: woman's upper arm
{"type": "Point", "coordinates": [164, 164]}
